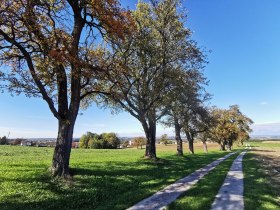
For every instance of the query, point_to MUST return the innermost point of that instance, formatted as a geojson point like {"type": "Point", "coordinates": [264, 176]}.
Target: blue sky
{"type": "Point", "coordinates": [243, 69]}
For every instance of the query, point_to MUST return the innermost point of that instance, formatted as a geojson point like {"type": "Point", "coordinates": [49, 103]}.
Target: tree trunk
{"type": "Point", "coordinates": [205, 146]}
{"type": "Point", "coordinates": [178, 139]}
{"type": "Point", "coordinates": [229, 144]}
{"type": "Point", "coordinates": [61, 156]}
{"type": "Point", "coordinates": [190, 140]}
{"type": "Point", "coordinates": [150, 131]}
{"type": "Point", "coordinates": [223, 146]}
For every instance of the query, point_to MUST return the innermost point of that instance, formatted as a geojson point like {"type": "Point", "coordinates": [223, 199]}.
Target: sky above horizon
{"type": "Point", "coordinates": [244, 69]}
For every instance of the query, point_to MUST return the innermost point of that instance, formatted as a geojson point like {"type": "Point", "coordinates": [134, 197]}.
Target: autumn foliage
{"type": "Point", "coordinates": [50, 49]}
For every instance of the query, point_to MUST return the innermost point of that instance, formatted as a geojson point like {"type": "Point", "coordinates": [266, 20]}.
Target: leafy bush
{"type": "Point", "coordinates": [111, 139]}
{"type": "Point", "coordinates": [84, 140]}
{"type": "Point", "coordinates": [125, 144]}
{"type": "Point", "coordinates": [3, 140]}
{"type": "Point", "coordinates": [164, 139]}
{"type": "Point", "coordinates": [103, 141]}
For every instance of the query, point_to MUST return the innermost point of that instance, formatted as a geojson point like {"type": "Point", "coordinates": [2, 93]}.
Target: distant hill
{"type": "Point", "coordinates": [265, 137]}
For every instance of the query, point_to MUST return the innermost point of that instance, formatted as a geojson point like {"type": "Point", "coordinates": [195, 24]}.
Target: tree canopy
{"type": "Point", "coordinates": [230, 125]}
{"type": "Point", "coordinates": [49, 49]}
{"type": "Point", "coordinates": [151, 58]}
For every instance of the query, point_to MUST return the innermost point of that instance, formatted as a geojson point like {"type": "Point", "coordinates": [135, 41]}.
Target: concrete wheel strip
{"type": "Point", "coordinates": [170, 193]}
{"type": "Point", "coordinates": [230, 196]}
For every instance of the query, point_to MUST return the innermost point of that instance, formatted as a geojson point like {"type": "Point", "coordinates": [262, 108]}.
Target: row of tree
{"type": "Point", "coordinates": [224, 126]}
{"type": "Point", "coordinates": [74, 53]}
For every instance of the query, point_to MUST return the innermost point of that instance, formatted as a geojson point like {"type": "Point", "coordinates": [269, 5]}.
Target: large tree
{"type": "Point", "coordinates": [150, 58]}
{"type": "Point", "coordinates": [230, 125]}
{"type": "Point", "coordinates": [195, 122]}
{"type": "Point", "coordinates": [185, 102]}
{"type": "Point", "coordinates": [48, 50]}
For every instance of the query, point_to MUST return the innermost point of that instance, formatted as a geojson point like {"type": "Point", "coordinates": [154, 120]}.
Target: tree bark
{"type": "Point", "coordinates": [190, 140]}
{"type": "Point", "coordinates": [230, 144]}
{"type": "Point", "coordinates": [223, 146]}
{"type": "Point", "coordinates": [205, 146]}
{"type": "Point", "coordinates": [150, 131]}
{"type": "Point", "coordinates": [61, 156]}
{"type": "Point", "coordinates": [178, 138]}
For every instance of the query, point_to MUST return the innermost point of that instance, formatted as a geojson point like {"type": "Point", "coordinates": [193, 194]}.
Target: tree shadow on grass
{"type": "Point", "coordinates": [104, 185]}
{"type": "Point", "coordinates": [202, 195]}
{"type": "Point", "coordinates": [258, 192]}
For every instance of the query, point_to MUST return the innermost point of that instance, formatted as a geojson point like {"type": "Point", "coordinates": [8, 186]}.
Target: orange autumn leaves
{"type": "Point", "coordinates": [115, 20]}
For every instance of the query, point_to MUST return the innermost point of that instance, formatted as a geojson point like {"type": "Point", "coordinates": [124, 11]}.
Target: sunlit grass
{"type": "Point", "coordinates": [266, 144]}
{"type": "Point", "coordinates": [103, 179]}
{"type": "Point", "coordinates": [258, 192]}
{"type": "Point", "coordinates": [202, 195]}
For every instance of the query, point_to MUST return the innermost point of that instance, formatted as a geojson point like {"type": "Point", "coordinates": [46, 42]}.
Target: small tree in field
{"type": "Point", "coordinates": [125, 144]}
{"type": "Point", "coordinates": [139, 142]}
{"type": "Point", "coordinates": [164, 139]}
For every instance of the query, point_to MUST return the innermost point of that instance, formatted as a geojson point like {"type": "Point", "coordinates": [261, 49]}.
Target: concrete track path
{"type": "Point", "coordinates": [164, 197]}
{"type": "Point", "coordinates": [230, 196]}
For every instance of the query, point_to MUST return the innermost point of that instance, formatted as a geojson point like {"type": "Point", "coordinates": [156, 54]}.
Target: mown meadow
{"type": "Point", "coordinates": [103, 179]}
{"type": "Point", "coordinates": [117, 179]}
{"type": "Point", "coordinates": [261, 181]}
{"type": "Point", "coordinates": [261, 167]}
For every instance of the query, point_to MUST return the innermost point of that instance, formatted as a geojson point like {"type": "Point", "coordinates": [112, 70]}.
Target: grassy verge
{"type": "Point", "coordinates": [103, 179]}
{"type": "Point", "coordinates": [258, 192]}
{"type": "Point", "coordinates": [202, 195]}
{"type": "Point", "coordinates": [264, 144]}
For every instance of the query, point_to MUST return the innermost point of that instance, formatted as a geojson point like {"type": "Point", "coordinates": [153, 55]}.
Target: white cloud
{"type": "Point", "coordinates": [264, 103]}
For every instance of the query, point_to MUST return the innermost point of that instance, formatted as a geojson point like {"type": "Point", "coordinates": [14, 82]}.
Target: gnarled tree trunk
{"type": "Point", "coordinates": [223, 146]}
{"type": "Point", "coordinates": [229, 144]}
{"type": "Point", "coordinates": [150, 132]}
{"type": "Point", "coordinates": [178, 138]}
{"type": "Point", "coordinates": [66, 123]}
{"type": "Point", "coordinates": [190, 140]}
{"type": "Point", "coordinates": [62, 151]}
{"type": "Point", "coordinates": [61, 156]}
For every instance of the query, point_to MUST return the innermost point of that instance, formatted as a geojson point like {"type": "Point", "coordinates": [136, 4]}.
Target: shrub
{"type": "Point", "coordinates": [111, 139]}
{"type": "Point", "coordinates": [84, 140]}
{"type": "Point", "coordinates": [103, 141]}
{"type": "Point", "coordinates": [3, 140]}
{"type": "Point", "coordinates": [125, 144]}
{"type": "Point", "coordinates": [164, 139]}
{"type": "Point", "coordinates": [17, 141]}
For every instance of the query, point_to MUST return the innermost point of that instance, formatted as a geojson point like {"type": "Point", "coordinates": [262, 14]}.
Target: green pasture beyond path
{"type": "Point", "coordinates": [103, 179]}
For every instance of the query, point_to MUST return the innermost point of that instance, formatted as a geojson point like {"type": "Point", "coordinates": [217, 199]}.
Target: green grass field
{"type": "Point", "coordinates": [258, 192]}
{"type": "Point", "coordinates": [117, 179]}
{"type": "Point", "coordinates": [202, 195]}
{"type": "Point", "coordinates": [261, 180]}
{"type": "Point", "coordinates": [103, 179]}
